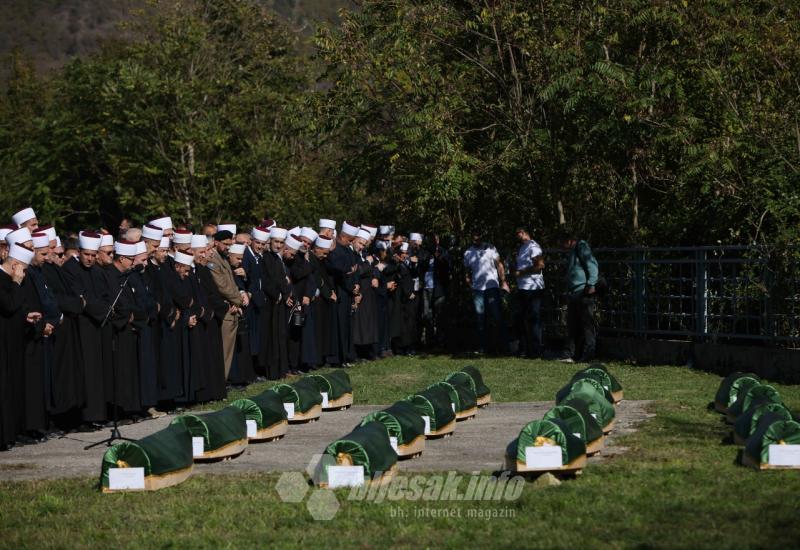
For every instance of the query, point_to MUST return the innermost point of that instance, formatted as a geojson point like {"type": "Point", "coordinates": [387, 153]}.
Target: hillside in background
{"type": "Point", "coordinates": [52, 31]}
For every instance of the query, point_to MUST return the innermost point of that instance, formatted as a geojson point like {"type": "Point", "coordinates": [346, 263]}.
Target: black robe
{"type": "Point", "coordinates": [163, 280]}
{"type": "Point", "coordinates": [252, 264]}
{"type": "Point", "coordinates": [12, 332]}
{"type": "Point", "coordinates": [301, 274]}
{"type": "Point", "coordinates": [67, 378]}
{"type": "Point", "coordinates": [81, 283]}
{"type": "Point", "coordinates": [146, 301]}
{"type": "Point", "coordinates": [365, 322]}
{"type": "Point", "coordinates": [340, 265]}
{"type": "Point", "coordinates": [214, 310]}
{"type": "Point", "coordinates": [242, 365]}
{"type": "Point", "coordinates": [324, 308]}
{"type": "Point", "coordinates": [274, 353]}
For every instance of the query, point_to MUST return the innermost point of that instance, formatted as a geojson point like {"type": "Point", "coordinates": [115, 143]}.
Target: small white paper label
{"type": "Point", "coordinates": [198, 446]}
{"type": "Point", "coordinates": [577, 434]}
{"type": "Point", "coordinates": [543, 458]}
{"type": "Point", "coordinates": [453, 405]}
{"type": "Point", "coordinates": [324, 399]}
{"type": "Point", "coordinates": [784, 455]}
{"type": "Point", "coordinates": [427, 420]}
{"type": "Point", "coordinates": [252, 428]}
{"type": "Point", "coordinates": [125, 478]}
{"type": "Point", "coordinates": [393, 442]}
{"type": "Point", "coordinates": [289, 409]}
{"type": "Point", "coordinates": [594, 415]}
{"type": "Point", "coordinates": [345, 476]}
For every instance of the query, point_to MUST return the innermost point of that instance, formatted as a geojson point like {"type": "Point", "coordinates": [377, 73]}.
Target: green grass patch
{"type": "Point", "coordinates": [676, 486]}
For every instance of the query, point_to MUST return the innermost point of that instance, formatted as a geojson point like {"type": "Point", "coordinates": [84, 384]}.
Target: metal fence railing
{"type": "Point", "coordinates": [710, 293]}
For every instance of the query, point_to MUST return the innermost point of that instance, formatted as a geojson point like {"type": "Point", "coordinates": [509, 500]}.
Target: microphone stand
{"type": "Point", "coordinates": [115, 434]}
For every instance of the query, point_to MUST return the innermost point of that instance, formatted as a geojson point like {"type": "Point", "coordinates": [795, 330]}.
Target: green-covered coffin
{"type": "Point", "coordinates": [772, 429]}
{"type": "Point", "coordinates": [304, 395]}
{"type": "Point", "coordinates": [166, 457]}
{"type": "Point", "coordinates": [595, 441]}
{"type": "Point", "coordinates": [338, 387]}
{"type": "Point", "coordinates": [368, 446]}
{"type": "Point", "coordinates": [750, 393]}
{"type": "Point", "coordinates": [462, 396]}
{"type": "Point", "coordinates": [436, 405]}
{"type": "Point", "coordinates": [590, 391]}
{"type": "Point", "coordinates": [747, 422]}
{"type": "Point", "coordinates": [484, 396]}
{"type": "Point", "coordinates": [224, 432]}
{"type": "Point", "coordinates": [402, 421]}
{"type": "Point", "coordinates": [550, 432]}
{"type": "Point", "coordinates": [267, 411]}
{"type": "Point", "coordinates": [616, 387]}
{"type": "Point", "coordinates": [597, 378]}
{"type": "Point", "coordinates": [729, 388]}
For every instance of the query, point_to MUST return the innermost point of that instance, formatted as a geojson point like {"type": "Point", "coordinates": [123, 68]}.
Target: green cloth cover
{"type": "Point", "coordinates": [771, 430]}
{"type": "Point", "coordinates": [463, 396]}
{"type": "Point", "coordinates": [615, 385]}
{"type": "Point", "coordinates": [729, 387]}
{"type": "Point", "coordinates": [571, 417]}
{"type": "Point", "coordinates": [368, 445]}
{"type": "Point", "coordinates": [460, 378]}
{"type": "Point", "coordinates": [304, 394]}
{"type": "Point", "coordinates": [165, 451]}
{"type": "Point", "coordinates": [335, 383]}
{"type": "Point", "coordinates": [597, 378]}
{"type": "Point", "coordinates": [435, 403]}
{"type": "Point", "coordinates": [553, 429]}
{"type": "Point", "coordinates": [749, 391]}
{"type": "Point", "coordinates": [599, 407]}
{"type": "Point", "coordinates": [480, 388]}
{"type": "Point", "coordinates": [594, 430]}
{"type": "Point", "coordinates": [401, 421]}
{"type": "Point", "coordinates": [747, 422]}
{"type": "Point", "coordinates": [265, 408]}
{"type": "Point", "coordinates": [218, 429]}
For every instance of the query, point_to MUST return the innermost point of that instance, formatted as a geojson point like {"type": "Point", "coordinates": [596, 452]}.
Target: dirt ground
{"type": "Point", "coordinates": [477, 444]}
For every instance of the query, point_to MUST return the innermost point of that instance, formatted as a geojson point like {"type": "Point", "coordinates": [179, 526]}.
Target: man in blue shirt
{"type": "Point", "coordinates": [581, 279]}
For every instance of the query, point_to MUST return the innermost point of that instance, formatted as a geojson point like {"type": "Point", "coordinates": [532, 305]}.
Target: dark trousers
{"type": "Point", "coordinates": [489, 302]}
{"type": "Point", "coordinates": [582, 327]}
{"type": "Point", "coordinates": [530, 329]}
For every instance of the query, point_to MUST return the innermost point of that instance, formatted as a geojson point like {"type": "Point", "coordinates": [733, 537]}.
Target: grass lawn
{"type": "Point", "coordinates": [676, 486]}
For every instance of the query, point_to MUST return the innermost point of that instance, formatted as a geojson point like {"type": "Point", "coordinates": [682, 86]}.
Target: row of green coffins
{"type": "Point", "coordinates": [573, 429]}
{"type": "Point", "coordinates": [167, 456]}
{"type": "Point", "coordinates": [761, 422]}
{"type": "Point", "coordinates": [400, 431]}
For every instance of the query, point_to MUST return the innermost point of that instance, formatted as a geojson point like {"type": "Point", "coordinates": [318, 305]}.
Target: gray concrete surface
{"type": "Point", "coordinates": [477, 444]}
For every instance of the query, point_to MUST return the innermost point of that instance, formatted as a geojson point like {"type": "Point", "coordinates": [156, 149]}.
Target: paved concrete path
{"type": "Point", "coordinates": [477, 444]}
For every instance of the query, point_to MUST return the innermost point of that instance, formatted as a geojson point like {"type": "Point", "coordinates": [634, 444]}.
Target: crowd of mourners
{"type": "Point", "coordinates": [156, 318]}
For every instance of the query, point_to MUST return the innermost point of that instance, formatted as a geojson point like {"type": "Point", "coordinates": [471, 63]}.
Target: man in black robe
{"type": "Point", "coordinates": [252, 263]}
{"type": "Point", "coordinates": [242, 372]}
{"type": "Point", "coordinates": [14, 321]}
{"type": "Point", "coordinates": [78, 275]}
{"type": "Point", "coordinates": [214, 311]}
{"type": "Point", "coordinates": [365, 324]}
{"type": "Point", "coordinates": [301, 276]}
{"type": "Point", "coordinates": [325, 303]}
{"type": "Point", "coordinates": [342, 265]}
{"type": "Point", "coordinates": [274, 353]}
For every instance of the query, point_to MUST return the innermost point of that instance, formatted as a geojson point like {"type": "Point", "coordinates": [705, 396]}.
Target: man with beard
{"type": "Point", "coordinates": [274, 354]}
{"type": "Point", "coordinates": [223, 277]}
{"type": "Point", "coordinates": [365, 324]}
{"type": "Point", "coordinates": [190, 372]}
{"type": "Point", "coordinates": [26, 218]}
{"type": "Point", "coordinates": [14, 321]}
{"type": "Point", "coordinates": [78, 273]}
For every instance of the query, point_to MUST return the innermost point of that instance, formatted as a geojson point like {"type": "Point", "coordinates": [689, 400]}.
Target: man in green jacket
{"type": "Point", "coordinates": [581, 279]}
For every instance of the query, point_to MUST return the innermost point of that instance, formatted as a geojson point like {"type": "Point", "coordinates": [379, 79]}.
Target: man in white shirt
{"type": "Point", "coordinates": [486, 276]}
{"type": "Point", "coordinates": [530, 287]}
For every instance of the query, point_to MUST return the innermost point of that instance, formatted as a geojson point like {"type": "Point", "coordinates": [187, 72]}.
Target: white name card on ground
{"type": "Point", "coordinates": [198, 446]}
{"type": "Point", "coordinates": [543, 457]}
{"type": "Point", "coordinates": [289, 409]}
{"type": "Point", "coordinates": [252, 428]}
{"type": "Point", "coordinates": [345, 476]}
{"type": "Point", "coordinates": [125, 478]}
{"type": "Point", "coordinates": [427, 420]}
{"type": "Point", "coordinates": [393, 442]}
{"type": "Point", "coordinates": [784, 455]}
{"type": "Point", "coordinates": [324, 398]}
